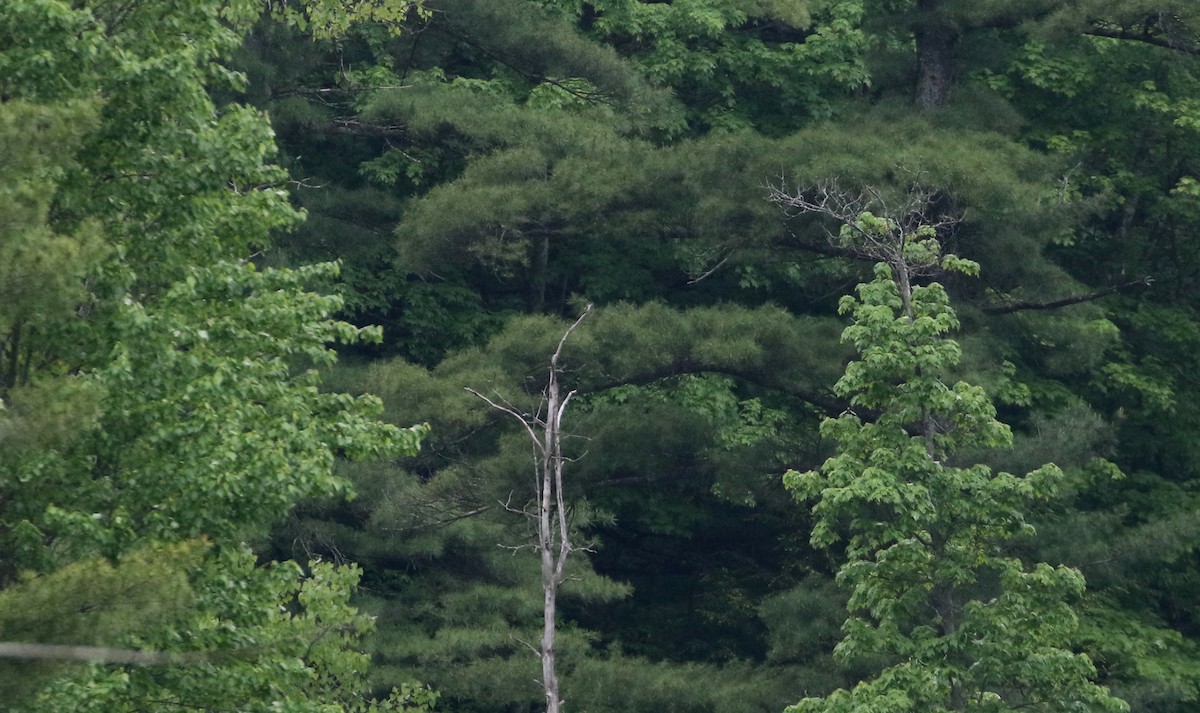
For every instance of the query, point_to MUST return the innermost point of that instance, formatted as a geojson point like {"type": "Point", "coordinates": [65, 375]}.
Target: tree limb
{"type": "Point", "coordinates": [1066, 301]}
{"type": "Point", "coordinates": [831, 405]}
{"type": "Point", "coordinates": [1143, 37]}
{"type": "Point", "coordinates": [363, 128]}
{"type": "Point", "coordinates": [511, 412]}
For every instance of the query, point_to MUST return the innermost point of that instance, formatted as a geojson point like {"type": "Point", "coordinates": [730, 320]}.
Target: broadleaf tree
{"type": "Point", "coordinates": [959, 622]}
{"type": "Point", "coordinates": [160, 399]}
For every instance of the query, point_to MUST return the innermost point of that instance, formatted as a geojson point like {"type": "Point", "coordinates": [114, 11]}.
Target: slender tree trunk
{"type": "Point", "coordinates": [553, 529]}
{"type": "Point", "coordinates": [949, 610]}
{"type": "Point", "coordinates": [903, 278]}
{"type": "Point", "coordinates": [549, 515]}
{"type": "Point", "coordinates": [549, 631]}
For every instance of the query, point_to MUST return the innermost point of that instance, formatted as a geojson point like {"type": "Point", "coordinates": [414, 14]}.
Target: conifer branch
{"type": "Point", "coordinates": [827, 403]}
{"type": "Point", "coordinates": [1144, 37]}
{"type": "Point", "coordinates": [1066, 301]}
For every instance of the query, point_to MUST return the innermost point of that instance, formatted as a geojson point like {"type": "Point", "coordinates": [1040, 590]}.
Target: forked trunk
{"type": "Point", "coordinates": [553, 529]}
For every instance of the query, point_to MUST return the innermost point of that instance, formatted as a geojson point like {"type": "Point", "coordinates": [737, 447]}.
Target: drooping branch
{"type": "Point", "coordinates": [357, 127]}
{"type": "Point", "coordinates": [1161, 31]}
{"type": "Point", "coordinates": [697, 279]}
{"type": "Point", "coordinates": [829, 404]}
{"type": "Point", "coordinates": [1066, 301]}
{"type": "Point", "coordinates": [1143, 37]}
{"type": "Point", "coordinates": [444, 522]}
{"type": "Point", "coordinates": [820, 248]}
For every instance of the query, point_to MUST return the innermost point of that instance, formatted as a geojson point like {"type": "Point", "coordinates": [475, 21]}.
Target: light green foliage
{"type": "Point", "coordinates": [206, 428]}
{"type": "Point", "coordinates": [327, 19]}
{"type": "Point", "coordinates": [93, 602]}
{"type": "Point", "coordinates": [40, 271]}
{"type": "Point", "coordinates": [262, 639]}
{"type": "Point", "coordinates": [41, 275]}
{"type": "Point", "coordinates": [197, 358]}
{"type": "Point", "coordinates": [966, 625]}
{"type": "Point", "coordinates": [161, 390]}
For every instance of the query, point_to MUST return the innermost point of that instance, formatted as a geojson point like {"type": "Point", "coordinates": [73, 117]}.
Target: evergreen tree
{"type": "Point", "coordinates": [517, 157]}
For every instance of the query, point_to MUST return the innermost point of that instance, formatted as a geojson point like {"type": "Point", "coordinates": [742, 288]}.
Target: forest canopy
{"type": "Point", "coordinates": [884, 398]}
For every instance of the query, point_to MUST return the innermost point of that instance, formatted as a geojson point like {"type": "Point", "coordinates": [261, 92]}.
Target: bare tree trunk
{"type": "Point", "coordinates": [10, 348]}
{"type": "Point", "coordinates": [553, 529]}
{"type": "Point", "coordinates": [936, 42]}
{"type": "Point", "coordinates": [552, 526]}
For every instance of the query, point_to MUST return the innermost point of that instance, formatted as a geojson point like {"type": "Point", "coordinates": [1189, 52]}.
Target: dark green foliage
{"type": "Point", "coordinates": [454, 603]}
{"type": "Point", "coordinates": [734, 64]}
{"type": "Point", "coordinates": [499, 164]}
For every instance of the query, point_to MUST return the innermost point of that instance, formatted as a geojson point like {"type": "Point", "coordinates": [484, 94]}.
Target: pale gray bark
{"type": "Point", "coordinates": [553, 529]}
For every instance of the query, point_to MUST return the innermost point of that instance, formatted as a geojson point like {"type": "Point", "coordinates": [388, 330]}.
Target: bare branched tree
{"type": "Point", "coordinates": [902, 231]}
{"type": "Point", "coordinates": [921, 218]}
{"type": "Point", "coordinates": [554, 545]}
{"type": "Point", "coordinates": [905, 232]}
